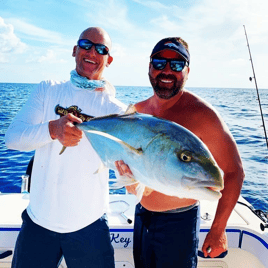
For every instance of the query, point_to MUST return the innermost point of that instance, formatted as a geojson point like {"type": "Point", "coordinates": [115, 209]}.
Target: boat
{"type": "Point", "coordinates": [247, 231]}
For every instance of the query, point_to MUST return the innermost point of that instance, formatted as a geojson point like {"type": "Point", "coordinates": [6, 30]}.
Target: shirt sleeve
{"type": "Point", "coordinates": [27, 131]}
{"type": "Point", "coordinates": [115, 106]}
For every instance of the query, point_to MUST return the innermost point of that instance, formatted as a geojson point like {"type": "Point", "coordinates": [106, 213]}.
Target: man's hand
{"type": "Point", "coordinates": [215, 243]}
{"type": "Point", "coordinates": [124, 170]}
{"type": "Point", "coordinates": [65, 131]}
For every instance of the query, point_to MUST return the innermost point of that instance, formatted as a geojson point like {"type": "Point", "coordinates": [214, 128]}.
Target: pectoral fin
{"type": "Point", "coordinates": [122, 181]}
{"type": "Point", "coordinates": [100, 169]}
{"type": "Point", "coordinates": [130, 109]}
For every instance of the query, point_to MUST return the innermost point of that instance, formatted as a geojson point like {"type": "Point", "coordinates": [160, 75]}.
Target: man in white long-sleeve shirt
{"type": "Point", "coordinates": [66, 213]}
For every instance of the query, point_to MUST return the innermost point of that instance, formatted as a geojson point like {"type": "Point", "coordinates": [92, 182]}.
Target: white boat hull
{"type": "Point", "coordinates": [248, 245]}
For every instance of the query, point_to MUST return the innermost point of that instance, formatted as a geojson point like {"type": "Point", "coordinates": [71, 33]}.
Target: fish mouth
{"type": "Point", "coordinates": [215, 193]}
{"type": "Point", "coordinates": [204, 193]}
{"type": "Point", "coordinates": [207, 189]}
{"type": "Point", "coordinates": [195, 183]}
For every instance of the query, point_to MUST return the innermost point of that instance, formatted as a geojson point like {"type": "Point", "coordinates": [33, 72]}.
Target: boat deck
{"type": "Point", "coordinates": [248, 245]}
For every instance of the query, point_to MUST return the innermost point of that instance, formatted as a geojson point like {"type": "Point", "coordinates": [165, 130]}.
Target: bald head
{"type": "Point", "coordinates": [92, 33]}
{"type": "Point", "coordinates": [90, 62]}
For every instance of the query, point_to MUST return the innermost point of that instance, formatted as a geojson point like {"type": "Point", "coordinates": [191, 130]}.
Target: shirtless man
{"type": "Point", "coordinates": [166, 228]}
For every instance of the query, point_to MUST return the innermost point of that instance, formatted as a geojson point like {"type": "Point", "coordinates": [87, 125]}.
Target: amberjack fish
{"type": "Point", "coordinates": [161, 155]}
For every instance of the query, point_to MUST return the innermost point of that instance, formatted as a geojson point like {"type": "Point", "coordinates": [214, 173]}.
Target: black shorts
{"type": "Point", "coordinates": [164, 240]}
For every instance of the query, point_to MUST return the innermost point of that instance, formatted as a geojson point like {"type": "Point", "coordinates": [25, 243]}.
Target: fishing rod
{"type": "Point", "coordinates": [254, 76]}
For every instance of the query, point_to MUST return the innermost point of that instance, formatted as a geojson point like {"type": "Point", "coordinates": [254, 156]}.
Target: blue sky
{"type": "Point", "coordinates": [37, 37]}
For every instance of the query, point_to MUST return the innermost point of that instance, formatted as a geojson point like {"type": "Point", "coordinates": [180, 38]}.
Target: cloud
{"type": "Point", "coordinates": [213, 29]}
{"type": "Point", "coordinates": [164, 23]}
{"type": "Point", "coordinates": [153, 5]}
{"type": "Point", "coordinates": [50, 56]}
{"type": "Point", "coordinates": [209, 18]}
{"type": "Point", "coordinates": [32, 32]}
{"type": "Point", "coordinates": [10, 44]}
{"type": "Point", "coordinates": [118, 51]}
{"type": "Point", "coordinates": [111, 15]}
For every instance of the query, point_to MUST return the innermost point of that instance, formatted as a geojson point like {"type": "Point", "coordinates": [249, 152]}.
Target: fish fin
{"type": "Point", "coordinates": [122, 181]}
{"type": "Point", "coordinates": [62, 150]}
{"type": "Point", "coordinates": [130, 109]}
{"type": "Point", "coordinates": [100, 169]}
{"type": "Point", "coordinates": [139, 190]}
{"type": "Point", "coordinates": [108, 136]}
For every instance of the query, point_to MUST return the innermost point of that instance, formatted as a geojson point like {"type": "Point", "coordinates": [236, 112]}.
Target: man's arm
{"type": "Point", "coordinates": [216, 238]}
{"type": "Point", "coordinates": [220, 142]}
{"type": "Point", "coordinates": [28, 132]}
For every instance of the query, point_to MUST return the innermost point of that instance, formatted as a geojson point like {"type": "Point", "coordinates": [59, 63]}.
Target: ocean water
{"type": "Point", "coordinates": [238, 107]}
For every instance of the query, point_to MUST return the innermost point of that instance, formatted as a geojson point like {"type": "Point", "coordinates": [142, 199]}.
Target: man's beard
{"type": "Point", "coordinates": [166, 92]}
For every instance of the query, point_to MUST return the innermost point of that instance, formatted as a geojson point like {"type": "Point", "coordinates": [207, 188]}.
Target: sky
{"type": "Point", "coordinates": [37, 38]}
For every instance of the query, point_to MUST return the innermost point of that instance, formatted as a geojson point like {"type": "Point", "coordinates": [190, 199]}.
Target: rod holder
{"type": "Point", "coordinates": [24, 183]}
{"type": "Point", "coordinates": [263, 226]}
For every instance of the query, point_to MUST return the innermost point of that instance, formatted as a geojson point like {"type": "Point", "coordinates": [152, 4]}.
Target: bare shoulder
{"type": "Point", "coordinates": [194, 113]}
{"type": "Point", "coordinates": [199, 104]}
{"type": "Point", "coordinates": [143, 106]}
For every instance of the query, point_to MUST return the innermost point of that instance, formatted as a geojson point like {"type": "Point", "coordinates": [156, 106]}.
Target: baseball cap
{"type": "Point", "coordinates": [171, 43]}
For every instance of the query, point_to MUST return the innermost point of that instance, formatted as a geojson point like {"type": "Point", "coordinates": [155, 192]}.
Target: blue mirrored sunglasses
{"type": "Point", "coordinates": [87, 44]}
{"type": "Point", "coordinates": [175, 65]}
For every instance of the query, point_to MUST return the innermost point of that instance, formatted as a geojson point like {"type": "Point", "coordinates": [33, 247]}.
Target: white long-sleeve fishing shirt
{"type": "Point", "coordinates": [66, 195]}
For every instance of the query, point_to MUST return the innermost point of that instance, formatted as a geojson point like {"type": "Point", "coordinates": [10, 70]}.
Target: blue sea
{"type": "Point", "coordinates": [238, 107]}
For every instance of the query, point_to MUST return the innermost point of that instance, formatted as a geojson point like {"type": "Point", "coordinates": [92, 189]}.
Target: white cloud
{"type": "Point", "coordinates": [50, 55]}
{"type": "Point", "coordinates": [152, 4]}
{"type": "Point", "coordinates": [33, 32]}
{"type": "Point", "coordinates": [10, 44]}
{"type": "Point", "coordinates": [118, 51]}
{"type": "Point", "coordinates": [213, 29]}
{"type": "Point", "coordinates": [111, 15]}
{"type": "Point", "coordinates": [238, 62]}
{"type": "Point", "coordinates": [165, 24]}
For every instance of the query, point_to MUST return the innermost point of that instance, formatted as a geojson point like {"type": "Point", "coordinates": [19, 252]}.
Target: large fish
{"type": "Point", "coordinates": [161, 155]}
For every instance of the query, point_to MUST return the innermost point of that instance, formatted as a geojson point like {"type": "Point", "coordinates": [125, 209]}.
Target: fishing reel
{"type": "Point", "coordinates": [261, 215]}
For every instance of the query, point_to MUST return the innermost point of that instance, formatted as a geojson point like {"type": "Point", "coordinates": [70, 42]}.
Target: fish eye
{"type": "Point", "coordinates": [185, 156]}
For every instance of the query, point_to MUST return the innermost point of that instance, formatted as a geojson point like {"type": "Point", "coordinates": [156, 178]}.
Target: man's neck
{"type": "Point", "coordinates": [159, 105]}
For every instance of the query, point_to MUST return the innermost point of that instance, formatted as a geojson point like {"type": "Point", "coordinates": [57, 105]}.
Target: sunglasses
{"type": "Point", "coordinates": [87, 45]}
{"type": "Point", "coordinates": [175, 65]}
